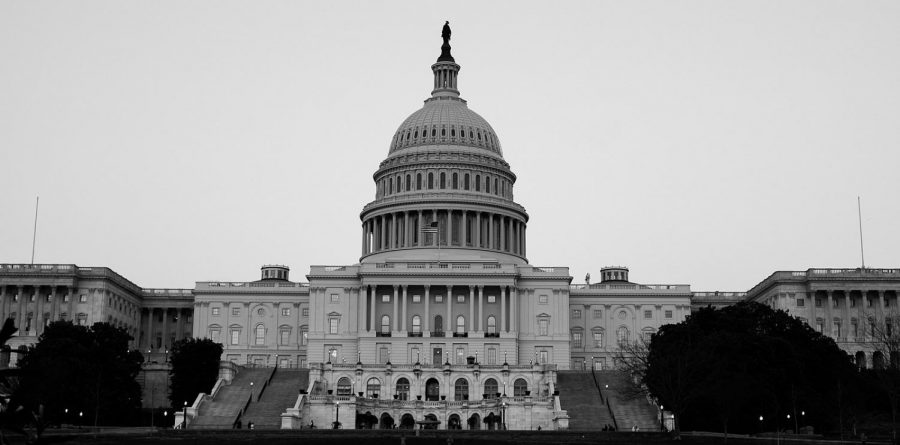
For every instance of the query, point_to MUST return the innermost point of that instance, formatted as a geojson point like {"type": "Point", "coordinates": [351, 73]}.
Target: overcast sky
{"type": "Point", "coordinates": [703, 143]}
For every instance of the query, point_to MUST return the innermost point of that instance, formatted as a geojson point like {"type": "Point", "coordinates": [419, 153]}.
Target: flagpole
{"type": "Point", "coordinates": [34, 234]}
{"type": "Point", "coordinates": [862, 252]}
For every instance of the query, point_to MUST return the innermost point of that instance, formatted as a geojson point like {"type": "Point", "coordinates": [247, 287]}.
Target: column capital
{"type": "Point", "coordinates": [404, 286]}
{"type": "Point", "coordinates": [480, 287]}
{"type": "Point", "coordinates": [472, 287]}
{"type": "Point", "coordinates": [396, 286]}
{"type": "Point", "coordinates": [427, 287]}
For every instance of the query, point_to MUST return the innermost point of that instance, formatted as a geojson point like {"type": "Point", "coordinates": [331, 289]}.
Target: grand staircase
{"type": "Point", "coordinates": [629, 412]}
{"type": "Point", "coordinates": [276, 398]}
{"type": "Point", "coordinates": [579, 396]}
{"type": "Point", "coordinates": [223, 411]}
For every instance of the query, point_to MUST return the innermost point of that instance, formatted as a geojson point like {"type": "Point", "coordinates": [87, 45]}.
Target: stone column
{"type": "Point", "coordinates": [514, 307]}
{"type": "Point", "coordinates": [179, 325]}
{"type": "Point", "coordinates": [881, 310]}
{"type": "Point", "coordinates": [846, 315]}
{"type": "Point", "coordinates": [471, 308]}
{"type": "Point", "coordinates": [407, 238]}
{"type": "Point", "coordinates": [364, 238]}
{"type": "Point", "coordinates": [403, 320]}
{"type": "Point", "coordinates": [481, 308]}
{"type": "Point", "coordinates": [435, 237]}
{"type": "Point", "coordinates": [427, 322]}
{"type": "Point", "coordinates": [3, 311]}
{"type": "Point", "coordinates": [812, 308]}
{"type": "Point", "coordinates": [165, 328]}
{"type": "Point", "coordinates": [394, 324]}
{"type": "Point", "coordinates": [419, 227]}
{"type": "Point", "coordinates": [829, 319]}
{"type": "Point", "coordinates": [150, 329]}
{"type": "Point", "coordinates": [38, 310]}
{"type": "Point", "coordinates": [374, 290]}
{"type": "Point", "coordinates": [449, 321]}
{"type": "Point", "coordinates": [361, 307]}
{"type": "Point", "coordinates": [465, 229]}
{"type": "Point", "coordinates": [382, 245]}
{"type": "Point", "coordinates": [503, 243]}
{"type": "Point", "coordinates": [477, 240]}
{"type": "Point", "coordinates": [490, 231]}
{"type": "Point", "coordinates": [503, 309]}
{"type": "Point", "coordinates": [449, 227]}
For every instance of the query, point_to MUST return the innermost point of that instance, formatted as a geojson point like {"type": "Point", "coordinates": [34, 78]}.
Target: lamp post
{"type": "Point", "coordinates": [503, 415]}
{"type": "Point", "coordinates": [80, 415]}
{"type": "Point", "coordinates": [337, 411]}
{"type": "Point", "coordinates": [184, 421]}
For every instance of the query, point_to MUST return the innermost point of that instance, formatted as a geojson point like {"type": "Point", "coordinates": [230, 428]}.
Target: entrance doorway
{"type": "Point", "coordinates": [432, 390]}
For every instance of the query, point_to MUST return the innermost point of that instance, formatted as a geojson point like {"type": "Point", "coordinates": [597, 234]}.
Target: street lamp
{"type": "Point", "coordinates": [184, 421]}
{"type": "Point", "coordinates": [503, 416]}
{"type": "Point", "coordinates": [337, 410]}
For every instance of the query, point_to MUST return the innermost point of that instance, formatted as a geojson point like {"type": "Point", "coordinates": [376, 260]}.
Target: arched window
{"type": "Point", "coordinates": [443, 180]}
{"type": "Point", "coordinates": [385, 324]}
{"type": "Point", "coordinates": [373, 387]}
{"type": "Point", "coordinates": [487, 184]}
{"type": "Point", "coordinates": [439, 324]}
{"type": "Point", "coordinates": [520, 387]}
{"type": "Point", "coordinates": [433, 131]}
{"type": "Point", "coordinates": [460, 324]}
{"type": "Point", "coordinates": [477, 183]}
{"type": "Point", "coordinates": [455, 182]}
{"type": "Point", "coordinates": [344, 387]}
{"type": "Point", "coordinates": [430, 180]}
{"type": "Point", "coordinates": [622, 335]}
{"type": "Point", "coordinates": [390, 185]}
{"type": "Point", "coordinates": [418, 181]}
{"type": "Point", "coordinates": [260, 335]}
{"type": "Point", "coordinates": [491, 325]}
{"type": "Point", "coordinates": [417, 324]}
{"type": "Point", "coordinates": [461, 390]}
{"type": "Point", "coordinates": [490, 389]}
{"type": "Point", "coordinates": [502, 188]}
{"type": "Point", "coordinates": [466, 181]}
{"type": "Point", "coordinates": [399, 184]}
{"type": "Point", "coordinates": [402, 388]}
{"type": "Point", "coordinates": [495, 185]}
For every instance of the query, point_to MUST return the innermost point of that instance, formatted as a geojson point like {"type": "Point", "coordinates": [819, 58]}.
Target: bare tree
{"type": "Point", "coordinates": [883, 339]}
{"type": "Point", "coordinates": [631, 360]}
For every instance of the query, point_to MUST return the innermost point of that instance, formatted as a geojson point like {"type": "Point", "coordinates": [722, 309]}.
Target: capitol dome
{"type": "Point", "coordinates": [444, 192]}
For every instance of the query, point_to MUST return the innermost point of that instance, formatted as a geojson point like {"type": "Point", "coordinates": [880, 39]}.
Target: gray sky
{"type": "Point", "coordinates": [708, 143]}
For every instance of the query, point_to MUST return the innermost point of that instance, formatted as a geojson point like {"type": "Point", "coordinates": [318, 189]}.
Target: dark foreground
{"type": "Point", "coordinates": [360, 437]}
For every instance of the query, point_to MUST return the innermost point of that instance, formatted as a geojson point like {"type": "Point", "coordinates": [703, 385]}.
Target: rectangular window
{"type": "Point", "coordinates": [868, 302]}
{"type": "Point", "coordinates": [801, 302]}
{"type": "Point", "coordinates": [818, 302]}
{"type": "Point", "coordinates": [577, 338]}
{"type": "Point", "coordinates": [66, 298]}
{"type": "Point", "coordinates": [854, 327]}
{"type": "Point", "coordinates": [543, 326]}
{"type": "Point", "coordinates": [285, 312]}
{"type": "Point", "coordinates": [648, 314]}
{"type": "Point", "coordinates": [82, 298]}
{"type": "Point", "coordinates": [335, 298]}
{"type": "Point", "coordinates": [460, 356]}
{"type": "Point", "coordinates": [305, 312]}
{"type": "Point", "coordinates": [837, 330]}
{"type": "Point", "coordinates": [284, 337]}
{"type": "Point", "coordinates": [235, 311]}
{"type": "Point", "coordinates": [835, 303]}
{"type": "Point", "coordinates": [438, 298]}
{"type": "Point", "coordinates": [214, 335]}
{"type": "Point", "coordinates": [668, 314]}
{"type": "Point", "coordinates": [384, 354]}
{"type": "Point", "coordinates": [853, 302]}
{"type": "Point", "coordinates": [385, 298]}
{"type": "Point", "coordinates": [598, 313]}
{"type": "Point", "coordinates": [576, 313]}
{"type": "Point", "coordinates": [542, 299]}
{"type": "Point", "coordinates": [333, 325]}
{"type": "Point", "coordinates": [414, 355]}
{"type": "Point", "coordinates": [304, 337]}
{"type": "Point", "coordinates": [491, 356]}
{"type": "Point", "coordinates": [460, 298]}
{"type": "Point", "coordinates": [598, 339]}
{"type": "Point", "coordinates": [492, 298]}
{"type": "Point", "coordinates": [49, 298]}
{"type": "Point", "coordinates": [544, 356]}
{"type": "Point", "coordinates": [215, 311]}
{"type": "Point", "coordinates": [819, 327]}
{"type": "Point", "coordinates": [235, 336]}
{"type": "Point", "coordinates": [417, 298]}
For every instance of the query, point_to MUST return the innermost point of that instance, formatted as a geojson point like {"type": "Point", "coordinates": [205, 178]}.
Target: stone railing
{"type": "Point", "coordinates": [439, 267]}
{"type": "Point", "coordinates": [813, 274]}
{"type": "Point", "coordinates": [468, 198]}
{"type": "Point", "coordinates": [632, 288]}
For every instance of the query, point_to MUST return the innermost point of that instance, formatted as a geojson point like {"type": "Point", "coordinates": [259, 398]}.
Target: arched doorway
{"type": "Point", "coordinates": [387, 422]}
{"type": "Point", "coordinates": [431, 422]}
{"type": "Point", "coordinates": [520, 388]}
{"type": "Point", "coordinates": [474, 422]}
{"type": "Point", "coordinates": [407, 422]}
{"type": "Point", "coordinates": [491, 421]}
{"type": "Point", "coordinates": [432, 390]}
{"type": "Point", "coordinates": [402, 389]}
{"type": "Point", "coordinates": [490, 390]}
{"type": "Point", "coordinates": [461, 390]}
{"type": "Point", "coordinates": [877, 360]}
{"type": "Point", "coordinates": [861, 360]}
{"type": "Point", "coordinates": [373, 386]}
{"type": "Point", "coordinates": [453, 422]}
{"type": "Point", "coordinates": [365, 421]}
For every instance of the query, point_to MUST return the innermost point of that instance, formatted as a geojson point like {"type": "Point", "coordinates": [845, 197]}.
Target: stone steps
{"type": "Point", "coordinates": [578, 395]}
{"type": "Point", "coordinates": [281, 394]}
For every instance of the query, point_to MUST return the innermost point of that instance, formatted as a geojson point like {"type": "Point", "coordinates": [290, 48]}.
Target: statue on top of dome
{"type": "Point", "coordinates": [445, 48]}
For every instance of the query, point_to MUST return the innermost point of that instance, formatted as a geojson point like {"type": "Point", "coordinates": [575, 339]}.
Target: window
{"type": "Point", "coordinates": [460, 298]}
{"type": "Point", "coordinates": [852, 302]}
{"type": "Point", "coordinates": [576, 313]}
{"type": "Point", "coordinates": [215, 312]}
{"type": "Point", "coordinates": [520, 387]}
{"type": "Point", "coordinates": [598, 313]}
{"type": "Point", "coordinates": [818, 302]}
{"type": "Point", "coordinates": [598, 339]}
{"type": "Point", "coordinates": [305, 312]}
{"type": "Point", "coordinates": [417, 324]}
{"type": "Point", "coordinates": [669, 313]}
{"type": "Point", "coordinates": [284, 337]}
{"type": "Point", "coordinates": [332, 354]}
{"type": "Point", "coordinates": [543, 356]}
{"type": "Point", "coordinates": [461, 390]}
{"type": "Point", "coordinates": [542, 299]}
{"type": "Point", "coordinates": [235, 311]}
{"type": "Point", "coordinates": [260, 335]}
{"type": "Point", "coordinates": [490, 389]}
{"type": "Point", "coordinates": [385, 324]}
{"type": "Point", "coordinates": [285, 312]}
{"type": "Point", "coordinates": [622, 335]}
{"type": "Point", "coordinates": [460, 324]}
{"type": "Point", "coordinates": [460, 356]}
{"type": "Point", "coordinates": [235, 336]}
{"type": "Point", "coordinates": [82, 319]}
{"type": "Point", "coordinates": [543, 326]}
{"type": "Point", "coordinates": [66, 298]}
{"type": "Point", "coordinates": [402, 388]}
{"type": "Point", "coordinates": [492, 356]}
{"type": "Point", "coordinates": [304, 335]}
{"type": "Point", "coordinates": [333, 325]}
{"type": "Point", "coordinates": [81, 298]}
{"type": "Point", "coordinates": [820, 326]}
{"type": "Point", "coordinates": [836, 303]}
{"type": "Point", "coordinates": [438, 298]}
{"type": "Point", "coordinates": [837, 328]}
{"type": "Point", "coordinates": [335, 298]}
{"type": "Point", "coordinates": [648, 314]}
{"type": "Point", "coordinates": [577, 339]}
{"type": "Point", "coordinates": [417, 298]}
{"type": "Point", "coordinates": [372, 388]}
{"type": "Point", "coordinates": [492, 298]}
{"type": "Point", "coordinates": [385, 298]}
{"type": "Point", "coordinates": [214, 334]}
{"type": "Point", "coordinates": [384, 354]}
{"type": "Point", "coordinates": [491, 324]}
{"type": "Point", "coordinates": [854, 328]}
{"type": "Point", "coordinates": [344, 387]}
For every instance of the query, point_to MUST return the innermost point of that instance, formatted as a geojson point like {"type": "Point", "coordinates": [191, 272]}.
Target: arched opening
{"type": "Point", "coordinates": [491, 325]}
{"type": "Point", "coordinates": [474, 422]}
{"type": "Point", "coordinates": [466, 181]}
{"type": "Point", "coordinates": [431, 422]}
{"type": "Point", "coordinates": [260, 334]}
{"type": "Point", "coordinates": [877, 360]}
{"type": "Point", "coordinates": [461, 390]}
{"type": "Point", "coordinates": [432, 390]}
{"type": "Point", "coordinates": [430, 181]}
{"type": "Point", "coordinates": [439, 325]}
{"type": "Point", "coordinates": [344, 387]}
{"type": "Point", "coordinates": [520, 388]}
{"type": "Point", "coordinates": [622, 335]}
{"type": "Point", "coordinates": [365, 421]}
{"type": "Point", "coordinates": [453, 422]}
{"type": "Point", "coordinates": [402, 388]}
{"type": "Point", "coordinates": [387, 422]}
{"type": "Point", "coordinates": [373, 387]}
{"type": "Point", "coordinates": [455, 182]}
{"type": "Point", "coordinates": [416, 325]}
{"type": "Point", "coordinates": [443, 180]}
{"type": "Point", "coordinates": [408, 182]}
{"type": "Point", "coordinates": [418, 181]}
{"type": "Point", "coordinates": [861, 360]}
{"type": "Point", "coordinates": [460, 325]}
{"type": "Point", "coordinates": [477, 183]}
{"type": "Point", "coordinates": [407, 422]}
{"type": "Point", "coordinates": [490, 390]}
{"type": "Point", "coordinates": [491, 420]}
{"type": "Point", "coordinates": [385, 324]}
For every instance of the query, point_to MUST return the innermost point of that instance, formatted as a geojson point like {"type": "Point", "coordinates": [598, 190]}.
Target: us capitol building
{"type": "Point", "coordinates": [443, 304]}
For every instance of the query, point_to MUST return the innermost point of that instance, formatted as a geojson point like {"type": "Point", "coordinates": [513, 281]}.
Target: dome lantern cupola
{"type": "Point", "coordinates": [445, 69]}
